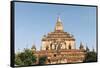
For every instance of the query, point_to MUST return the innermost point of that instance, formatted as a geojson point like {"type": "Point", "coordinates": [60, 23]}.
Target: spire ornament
{"type": "Point", "coordinates": [59, 26]}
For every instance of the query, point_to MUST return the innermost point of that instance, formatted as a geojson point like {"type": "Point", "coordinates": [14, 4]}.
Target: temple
{"type": "Point", "coordinates": [60, 47]}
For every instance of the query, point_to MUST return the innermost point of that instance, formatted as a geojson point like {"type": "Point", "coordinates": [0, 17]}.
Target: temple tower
{"type": "Point", "coordinates": [58, 39]}
{"type": "Point", "coordinates": [59, 26]}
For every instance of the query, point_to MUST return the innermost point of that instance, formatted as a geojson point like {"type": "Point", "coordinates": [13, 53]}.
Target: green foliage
{"type": "Point", "coordinates": [18, 60]}
{"type": "Point", "coordinates": [42, 59]}
{"type": "Point", "coordinates": [91, 57]}
{"type": "Point", "coordinates": [25, 58]}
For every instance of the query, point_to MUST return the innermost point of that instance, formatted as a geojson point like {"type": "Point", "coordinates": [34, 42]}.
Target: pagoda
{"type": "Point", "coordinates": [60, 47]}
{"type": "Point", "coordinates": [58, 38]}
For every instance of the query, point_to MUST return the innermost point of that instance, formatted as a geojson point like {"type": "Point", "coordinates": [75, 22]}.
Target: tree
{"type": "Point", "coordinates": [42, 59]}
{"type": "Point", "coordinates": [25, 58]}
{"type": "Point", "coordinates": [91, 57]}
{"type": "Point", "coordinates": [18, 60]}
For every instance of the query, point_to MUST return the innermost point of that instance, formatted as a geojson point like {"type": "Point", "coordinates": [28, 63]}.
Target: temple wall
{"type": "Point", "coordinates": [67, 57]}
{"type": "Point", "coordinates": [65, 45]}
{"type": "Point", "coordinates": [71, 43]}
{"type": "Point", "coordinates": [45, 44]}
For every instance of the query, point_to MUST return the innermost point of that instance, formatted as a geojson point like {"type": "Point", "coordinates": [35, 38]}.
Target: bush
{"type": "Point", "coordinates": [25, 58]}
{"type": "Point", "coordinates": [91, 57]}
{"type": "Point", "coordinates": [42, 59]}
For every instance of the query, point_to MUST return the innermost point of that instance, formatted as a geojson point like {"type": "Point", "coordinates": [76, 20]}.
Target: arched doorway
{"type": "Point", "coordinates": [69, 46]}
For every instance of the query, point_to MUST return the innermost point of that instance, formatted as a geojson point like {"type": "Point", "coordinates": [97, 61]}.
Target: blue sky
{"type": "Point", "coordinates": [33, 20]}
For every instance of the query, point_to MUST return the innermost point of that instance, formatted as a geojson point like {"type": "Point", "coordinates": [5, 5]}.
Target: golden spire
{"type": "Point", "coordinates": [59, 26]}
{"type": "Point", "coordinates": [58, 19]}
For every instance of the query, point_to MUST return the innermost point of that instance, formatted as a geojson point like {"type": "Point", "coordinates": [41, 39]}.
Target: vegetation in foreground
{"type": "Point", "coordinates": [27, 57]}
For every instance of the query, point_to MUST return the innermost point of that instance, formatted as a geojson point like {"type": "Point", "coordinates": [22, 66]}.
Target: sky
{"type": "Point", "coordinates": [33, 20]}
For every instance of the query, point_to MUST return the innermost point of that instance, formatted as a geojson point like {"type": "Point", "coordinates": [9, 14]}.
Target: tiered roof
{"type": "Point", "coordinates": [58, 33]}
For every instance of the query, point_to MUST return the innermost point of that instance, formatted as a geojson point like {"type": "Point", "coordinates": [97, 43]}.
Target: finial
{"type": "Point", "coordinates": [59, 26]}
{"type": "Point", "coordinates": [58, 18]}
{"type": "Point", "coordinates": [87, 49]}
{"type": "Point", "coordinates": [81, 46]}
